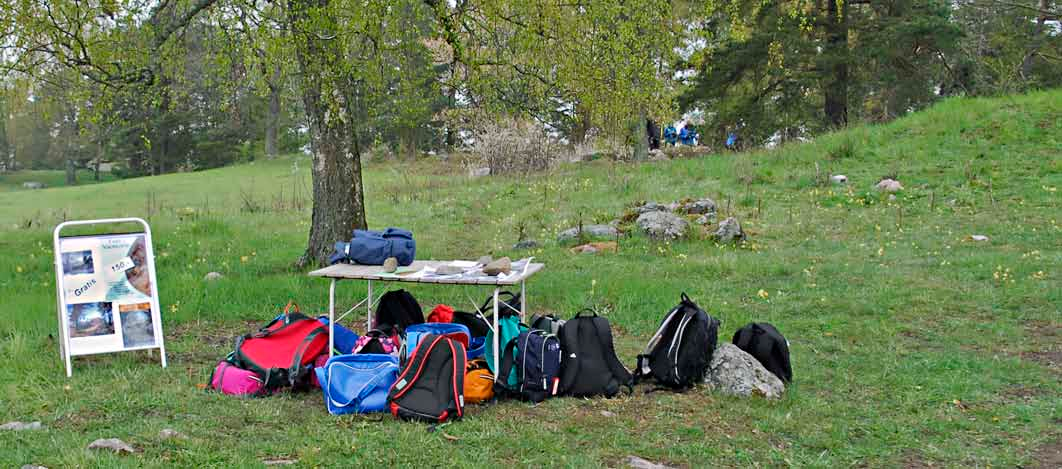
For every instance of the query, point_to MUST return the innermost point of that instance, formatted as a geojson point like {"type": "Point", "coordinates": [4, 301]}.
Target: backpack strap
{"type": "Point", "coordinates": [506, 367]}
{"type": "Point", "coordinates": [620, 372]}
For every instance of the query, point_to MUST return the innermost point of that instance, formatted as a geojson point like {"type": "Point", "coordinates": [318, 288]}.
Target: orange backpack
{"type": "Point", "coordinates": [479, 382]}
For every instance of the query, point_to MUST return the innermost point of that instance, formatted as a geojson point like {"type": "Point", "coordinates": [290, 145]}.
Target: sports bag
{"type": "Point", "coordinates": [357, 383]}
{"type": "Point", "coordinates": [232, 380]}
{"type": "Point", "coordinates": [679, 353]}
{"type": "Point", "coordinates": [399, 309]}
{"type": "Point", "coordinates": [441, 313]}
{"type": "Point", "coordinates": [548, 323]}
{"type": "Point", "coordinates": [280, 352]}
{"type": "Point", "coordinates": [537, 364]}
{"type": "Point", "coordinates": [431, 385]}
{"type": "Point", "coordinates": [377, 341]}
{"type": "Point", "coordinates": [479, 382]}
{"type": "Point", "coordinates": [768, 346]}
{"type": "Point", "coordinates": [417, 332]}
{"type": "Point", "coordinates": [344, 339]}
{"type": "Point", "coordinates": [374, 247]}
{"type": "Point", "coordinates": [477, 324]}
{"type": "Point", "coordinates": [589, 365]}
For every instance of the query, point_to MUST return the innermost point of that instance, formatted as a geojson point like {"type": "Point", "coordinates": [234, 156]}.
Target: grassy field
{"type": "Point", "coordinates": [912, 345]}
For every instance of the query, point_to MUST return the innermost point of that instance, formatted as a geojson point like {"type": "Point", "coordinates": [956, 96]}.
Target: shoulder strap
{"type": "Point", "coordinates": [416, 364]}
{"type": "Point", "coordinates": [506, 367]}
{"type": "Point", "coordinates": [619, 371]}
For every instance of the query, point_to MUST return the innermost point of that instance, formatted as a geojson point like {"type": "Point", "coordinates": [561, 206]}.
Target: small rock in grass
{"type": "Point", "coordinates": [279, 461]}
{"type": "Point", "coordinates": [19, 426]}
{"type": "Point", "coordinates": [889, 185]}
{"type": "Point", "coordinates": [978, 238]}
{"type": "Point", "coordinates": [705, 219]}
{"type": "Point", "coordinates": [663, 225]}
{"type": "Point", "coordinates": [699, 207]}
{"type": "Point", "coordinates": [33, 466]}
{"type": "Point", "coordinates": [650, 207]}
{"type": "Point", "coordinates": [526, 244]}
{"type": "Point", "coordinates": [600, 231]}
{"type": "Point", "coordinates": [479, 172]}
{"type": "Point", "coordinates": [113, 444]}
{"type": "Point", "coordinates": [729, 230]}
{"type": "Point", "coordinates": [33, 185]}
{"type": "Point", "coordinates": [608, 413]}
{"type": "Point", "coordinates": [839, 179]}
{"type": "Point", "coordinates": [212, 276]}
{"type": "Point", "coordinates": [639, 463]}
{"type": "Point", "coordinates": [169, 433]}
{"type": "Point", "coordinates": [591, 248]}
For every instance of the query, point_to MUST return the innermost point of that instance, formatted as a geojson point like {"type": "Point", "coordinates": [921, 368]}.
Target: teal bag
{"type": "Point", "coordinates": [509, 327]}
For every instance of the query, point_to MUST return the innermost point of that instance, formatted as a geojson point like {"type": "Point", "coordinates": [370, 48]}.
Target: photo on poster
{"type": "Point", "coordinates": [78, 262]}
{"type": "Point", "coordinates": [139, 276]}
{"type": "Point", "coordinates": [90, 319]}
{"type": "Point", "coordinates": [137, 329]}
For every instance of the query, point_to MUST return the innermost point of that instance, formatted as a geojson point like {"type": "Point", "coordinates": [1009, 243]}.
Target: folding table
{"type": "Point", "coordinates": [371, 273]}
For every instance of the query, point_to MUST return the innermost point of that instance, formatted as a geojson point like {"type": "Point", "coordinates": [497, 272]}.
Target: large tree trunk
{"type": "Point", "coordinates": [641, 137]}
{"type": "Point", "coordinates": [581, 127]}
{"type": "Point", "coordinates": [835, 87]}
{"type": "Point", "coordinates": [96, 165]}
{"type": "Point", "coordinates": [71, 170]}
{"type": "Point", "coordinates": [338, 204]}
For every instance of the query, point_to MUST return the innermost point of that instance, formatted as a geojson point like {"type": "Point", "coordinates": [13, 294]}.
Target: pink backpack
{"type": "Point", "coordinates": [377, 341]}
{"type": "Point", "coordinates": [230, 379]}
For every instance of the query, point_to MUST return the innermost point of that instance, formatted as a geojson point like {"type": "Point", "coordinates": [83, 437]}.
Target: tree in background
{"type": "Point", "coordinates": [786, 68]}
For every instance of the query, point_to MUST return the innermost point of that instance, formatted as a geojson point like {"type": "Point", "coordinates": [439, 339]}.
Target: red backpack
{"type": "Point", "coordinates": [281, 351]}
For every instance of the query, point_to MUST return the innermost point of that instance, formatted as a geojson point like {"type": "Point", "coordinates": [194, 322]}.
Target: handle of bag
{"type": "Point", "coordinates": [506, 367]}
{"type": "Point", "coordinates": [594, 313]}
{"type": "Point", "coordinates": [365, 389]}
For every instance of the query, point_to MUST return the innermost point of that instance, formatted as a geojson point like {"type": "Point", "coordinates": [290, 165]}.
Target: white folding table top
{"type": "Point", "coordinates": [375, 272]}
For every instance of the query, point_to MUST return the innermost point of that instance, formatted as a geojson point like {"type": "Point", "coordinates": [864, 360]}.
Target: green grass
{"type": "Point", "coordinates": [906, 347]}
{"type": "Point", "coordinates": [51, 179]}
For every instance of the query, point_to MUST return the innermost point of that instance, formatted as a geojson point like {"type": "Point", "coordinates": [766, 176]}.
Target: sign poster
{"type": "Point", "coordinates": [107, 293]}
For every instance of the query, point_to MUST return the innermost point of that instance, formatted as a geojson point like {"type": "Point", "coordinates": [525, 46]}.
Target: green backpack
{"type": "Point", "coordinates": [509, 325]}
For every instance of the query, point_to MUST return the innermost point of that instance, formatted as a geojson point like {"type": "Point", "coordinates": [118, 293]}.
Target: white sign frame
{"type": "Point", "coordinates": [65, 350]}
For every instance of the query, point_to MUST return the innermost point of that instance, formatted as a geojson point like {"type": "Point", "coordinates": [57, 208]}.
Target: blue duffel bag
{"type": "Point", "coordinates": [344, 340]}
{"type": "Point", "coordinates": [416, 332]}
{"type": "Point", "coordinates": [357, 383]}
{"type": "Point", "coordinates": [374, 247]}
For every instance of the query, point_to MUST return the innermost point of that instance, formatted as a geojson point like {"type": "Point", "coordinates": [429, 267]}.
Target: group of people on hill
{"type": "Point", "coordinates": [685, 135]}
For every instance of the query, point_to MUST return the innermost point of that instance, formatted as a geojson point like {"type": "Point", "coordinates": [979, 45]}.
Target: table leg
{"type": "Point", "coordinates": [368, 310]}
{"type": "Point", "coordinates": [497, 333]}
{"type": "Point", "coordinates": [523, 302]}
{"type": "Point", "coordinates": [331, 318]}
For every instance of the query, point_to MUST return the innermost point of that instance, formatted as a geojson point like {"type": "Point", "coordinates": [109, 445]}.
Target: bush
{"type": "Point", "coordinates": [514, 146]}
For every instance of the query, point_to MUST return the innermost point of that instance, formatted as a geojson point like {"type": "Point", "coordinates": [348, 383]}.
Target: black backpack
{"type": "Point", "coordinates": [398, 308]}
{"type": "Point", "coordinates": [548, 323]}
{"type": "Point", "coordinates": [589, 366]}
{"type": "Point", "coordinates": [431, 385]}
{"type": "Point", "coordinates": [477, 324]}
{"type": "Point", "coordinates": [537, 360]}
{"type": "Point", "coordinates": [766, 344]}
{"type": "Point", "coordinates": [679, 353]}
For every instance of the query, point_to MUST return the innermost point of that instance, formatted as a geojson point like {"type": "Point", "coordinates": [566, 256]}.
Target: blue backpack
{"type": "Point", "coordinates": [357, 383]}
{"type": "Point", "coordinates": [417, 332]}
{"type": "Point", "coordinates": [374, 247]}
{"type": "Point", "coordinates": [535, 357]}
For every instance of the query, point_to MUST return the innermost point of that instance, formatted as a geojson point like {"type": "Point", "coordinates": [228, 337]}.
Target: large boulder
{"type": "Point", "coordinates": [663, 225]}
{"type": "Point", "coordinates": [729, 230]}
{"type": "Point", "coordinates": [733, 371]}
{"type": "Point", "coordinates": [650, 207]}
{"type": "Point", "coordinates": [593, 231]}
{"type": "Point", "coordinates": [699, 207]}
{"type": "Point", "coordinates": [33, 185]}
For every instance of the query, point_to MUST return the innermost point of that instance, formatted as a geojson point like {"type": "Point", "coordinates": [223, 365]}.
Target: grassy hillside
{"type": "Point", "coordinates": [912, 345]}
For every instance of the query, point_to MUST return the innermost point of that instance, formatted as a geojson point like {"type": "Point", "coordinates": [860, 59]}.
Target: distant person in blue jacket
{"type": "Point", "coordinates": [670, 135]}
{"type": "Point", "coordinates": [688, 135]}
